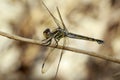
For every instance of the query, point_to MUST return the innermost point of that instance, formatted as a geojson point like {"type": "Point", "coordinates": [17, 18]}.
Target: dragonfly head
{"type": "Point", "coordinates": [47, 33]}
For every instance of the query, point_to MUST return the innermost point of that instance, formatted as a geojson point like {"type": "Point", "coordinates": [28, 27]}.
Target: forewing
{"type": "Point", "coordinates": [63, 25]}
{"type": "Point", "coordinates": [54, 18]}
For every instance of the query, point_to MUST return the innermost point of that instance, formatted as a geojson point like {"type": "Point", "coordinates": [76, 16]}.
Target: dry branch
{"type": "Point", "coordinates": [37, 42]}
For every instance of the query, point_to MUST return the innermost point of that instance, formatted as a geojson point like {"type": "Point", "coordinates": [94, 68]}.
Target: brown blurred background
{"type": "Point", "coordinates": [28, 18]}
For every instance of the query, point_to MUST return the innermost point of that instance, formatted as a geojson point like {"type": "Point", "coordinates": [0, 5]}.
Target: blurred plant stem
{"type": "Point", "coordinates": [38, 42]}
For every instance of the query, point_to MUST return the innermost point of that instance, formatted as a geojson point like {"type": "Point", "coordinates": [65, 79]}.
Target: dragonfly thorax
{"type": "Point", "coordinates": [59, 33]}
{"type": "Point", "coordinates": [56, 34]}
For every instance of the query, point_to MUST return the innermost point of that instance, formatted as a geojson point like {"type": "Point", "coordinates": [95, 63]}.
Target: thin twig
{"type": "Point", "coordinates": [37, 42]}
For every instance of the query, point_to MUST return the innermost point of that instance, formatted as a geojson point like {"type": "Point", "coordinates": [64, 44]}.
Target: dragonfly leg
{"type": "Point", "coordinates": [56, 40]}
{"type": "Point", "coordinates": [46, 42]}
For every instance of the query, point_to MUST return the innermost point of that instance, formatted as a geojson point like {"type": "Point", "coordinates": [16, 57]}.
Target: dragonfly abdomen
{"type": "Point", "coordinates": [76, 36]}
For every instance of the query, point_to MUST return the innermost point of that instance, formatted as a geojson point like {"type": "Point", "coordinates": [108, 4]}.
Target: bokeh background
{"type": "Point", "coordinates": [28, 18]}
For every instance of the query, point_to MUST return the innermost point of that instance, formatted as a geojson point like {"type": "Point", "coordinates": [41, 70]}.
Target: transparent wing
{"type": "Point", "coordinates": [54, 18]}
{"type": "Point", "coordinates": [49, 59]}
{"type": "Point", "coordinates": [64, 40]}
{"type": "Point", "coordinates": [64, 27]}
{"type": "Point", "coordinates": [61, 54]}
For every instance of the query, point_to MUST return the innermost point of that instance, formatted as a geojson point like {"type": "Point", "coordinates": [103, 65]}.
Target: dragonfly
{"type": "Point", "coordinates": [57, 34]}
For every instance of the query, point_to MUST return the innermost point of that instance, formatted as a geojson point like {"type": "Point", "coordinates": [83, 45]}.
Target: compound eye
{"type": "Point", "coordinates": [46, 33]}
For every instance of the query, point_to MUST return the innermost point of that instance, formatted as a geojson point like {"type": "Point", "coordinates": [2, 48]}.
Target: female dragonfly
{"type": "Point", "coordinates": [57, 34]}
